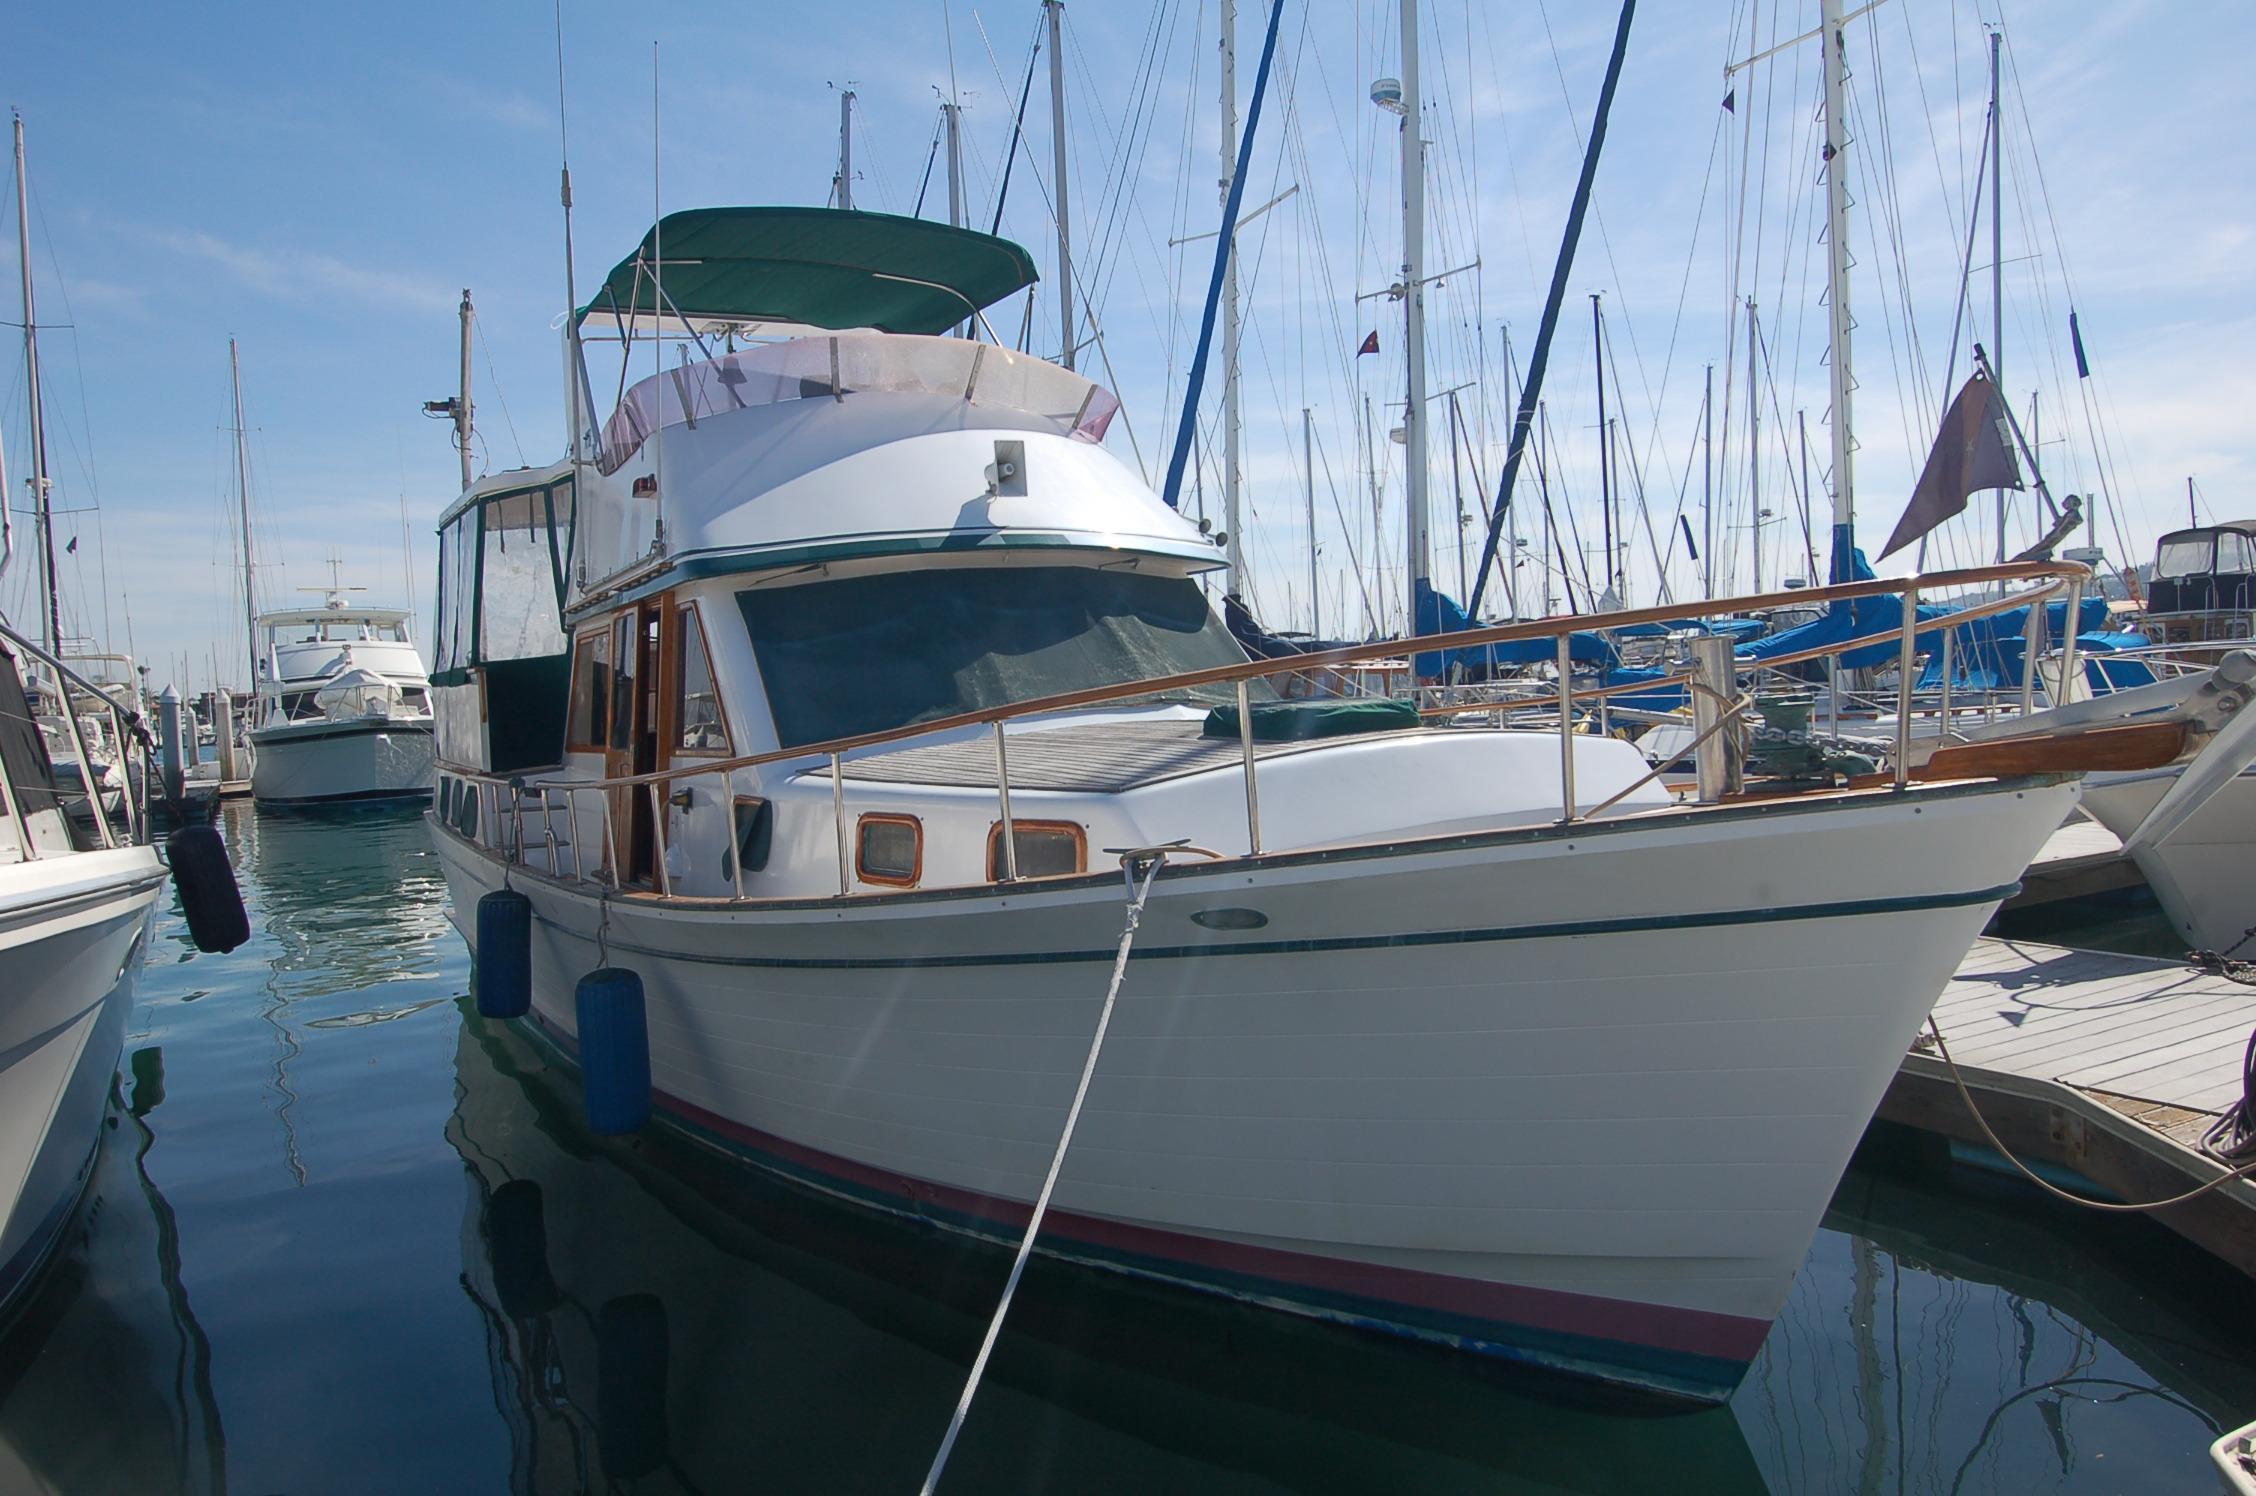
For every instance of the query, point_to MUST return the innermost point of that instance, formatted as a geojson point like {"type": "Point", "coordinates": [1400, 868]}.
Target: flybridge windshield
{"type": "Point", "coordinates": [868, 654]}
{"type": "Point", "coordinates": [827, 368]}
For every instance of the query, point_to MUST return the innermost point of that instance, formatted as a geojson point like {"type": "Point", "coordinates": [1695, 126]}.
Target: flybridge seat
{"type": "Point", "coordinates": [850, 364]}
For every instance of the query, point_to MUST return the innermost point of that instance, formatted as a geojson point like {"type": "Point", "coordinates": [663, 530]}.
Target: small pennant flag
{"type": "Point", "coordinates": [1686, 525]}
{"type": "Point", "coordinates": [2076, 336]}
{"type": "Point", "coordinates": [72, 548]}
{"type": "Point", "coordinates": [1370, 344]}
{"type": "Point", "coordinates": [1731, 102]}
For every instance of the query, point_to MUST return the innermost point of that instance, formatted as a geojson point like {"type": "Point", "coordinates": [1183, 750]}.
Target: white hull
{"type": "Point", "coordinates": [2204, 874]}
{"type": "Point", "coordinates": [71, 936]}
{"type": "Point", "coordinates": [304, 763]}
{"type": "Point", "coordinates": [1574, 1096]}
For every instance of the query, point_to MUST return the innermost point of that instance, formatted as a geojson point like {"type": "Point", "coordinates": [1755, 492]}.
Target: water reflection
{"type": "Point", "coordinates": [351, 898]}
{"type": "Point", "coordinates": [111, 1328]}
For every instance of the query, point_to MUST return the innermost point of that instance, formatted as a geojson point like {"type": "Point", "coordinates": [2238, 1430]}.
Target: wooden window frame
{"type": "Point", "coordinates": [686, 618]}
{"type": "Point", "coordinates": [584, 644]}
{"type": "Point", "coordinates": [896, 818]}
{"type": "Point", "coordinates": [996, 868]}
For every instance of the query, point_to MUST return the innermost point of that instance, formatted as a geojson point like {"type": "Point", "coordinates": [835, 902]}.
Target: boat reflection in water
{"type": "Point", "coordinates": [657, 1312]}
{"type": "Point", "coordinates": [352, 896]}
{"type": "Point", "coordinates": [111, 1328]}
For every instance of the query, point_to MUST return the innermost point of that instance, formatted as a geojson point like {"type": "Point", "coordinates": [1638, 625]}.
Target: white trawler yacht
{"type": "Point", "coordinates": [1469, 1034]}
{"type": "Point", "coordinates": [344, 710]}
{"type": "Point", "coordinates": [75, 902]}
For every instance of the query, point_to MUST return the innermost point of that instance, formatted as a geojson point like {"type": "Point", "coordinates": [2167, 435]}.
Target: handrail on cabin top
{"type": "Point", "coordinates": [2057, 575]}
{"type": "Point", "coordinates": [2058, 572]}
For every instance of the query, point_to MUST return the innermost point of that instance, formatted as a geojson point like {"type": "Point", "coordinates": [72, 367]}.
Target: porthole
{"type": "Point", "coordinates": [1046, 849]}
{"type": "Point", "coordinates": [889, 849]}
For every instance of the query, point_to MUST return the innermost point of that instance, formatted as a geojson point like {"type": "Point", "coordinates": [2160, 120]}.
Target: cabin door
{"type": "Point", "coordinates": [633, 747]}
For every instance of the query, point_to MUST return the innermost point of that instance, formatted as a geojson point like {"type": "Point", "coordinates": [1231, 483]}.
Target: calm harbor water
{"type": "Point", "coordinates": [347, 1237]}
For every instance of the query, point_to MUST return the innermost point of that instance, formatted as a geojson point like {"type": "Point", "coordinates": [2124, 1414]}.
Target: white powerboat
{"type": "Point", "coordinates": [344, 708]}
{"type": "Point", "coordinates": [1468, 1034]}
{"type": "Point", "coordinates": [75, 909]}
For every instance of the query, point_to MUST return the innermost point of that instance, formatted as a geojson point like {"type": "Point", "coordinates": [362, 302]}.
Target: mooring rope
{"type": "Point", "coordinates": [2047, 1185]}
{"type": "Point", "coordinates": [1157, 857]}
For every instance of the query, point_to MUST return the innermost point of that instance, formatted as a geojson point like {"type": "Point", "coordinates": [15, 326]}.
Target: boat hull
{"type": "Point", "coordinates": [2202, 873]}
{"type": "Point", "coordinates": [318, 763]}
{"type": "Point", "coordinates": [71, 944]}
{"type": "Point", "coordinates": [1574, 1096]}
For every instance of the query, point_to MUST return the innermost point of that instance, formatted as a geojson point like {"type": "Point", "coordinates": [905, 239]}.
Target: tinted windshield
{"type": "Point", "coordinates": [866, 654]}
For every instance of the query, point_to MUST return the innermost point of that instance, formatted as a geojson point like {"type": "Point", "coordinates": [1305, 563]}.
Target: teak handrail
{"type": "Point", "coordinates": [1504, 633]}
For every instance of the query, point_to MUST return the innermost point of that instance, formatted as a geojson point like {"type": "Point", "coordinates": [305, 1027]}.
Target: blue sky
{"type": "Point", "coordinates": [321, 182]}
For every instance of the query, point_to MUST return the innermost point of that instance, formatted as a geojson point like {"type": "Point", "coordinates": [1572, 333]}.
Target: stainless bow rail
{"type": "Point", "coordinates": [66, 679]}
{"type": "Point", "coordinates": [502, 799]}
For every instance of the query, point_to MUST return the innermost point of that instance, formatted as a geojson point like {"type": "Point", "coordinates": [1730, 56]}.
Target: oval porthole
{"type": "Point", "coordinates": [1230, 919]}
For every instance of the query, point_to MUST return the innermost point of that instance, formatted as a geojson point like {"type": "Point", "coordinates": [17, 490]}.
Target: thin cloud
{"type": "Point", "coordinates": [307, 275]}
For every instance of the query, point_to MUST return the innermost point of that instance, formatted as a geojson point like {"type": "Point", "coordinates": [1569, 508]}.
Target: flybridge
{"type": "Point", "coordinates": [781, 271]}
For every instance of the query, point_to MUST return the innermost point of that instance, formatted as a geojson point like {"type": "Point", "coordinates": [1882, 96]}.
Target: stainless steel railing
{"type": "Point", "coordinates": [1561, 698]}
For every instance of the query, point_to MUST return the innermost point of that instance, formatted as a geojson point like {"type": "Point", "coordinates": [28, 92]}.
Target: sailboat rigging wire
{"type": "Point", "coordinates": [1532, 391]}
{"type": "Point", "coordinates": [1157, 858]}
{"type": "Point", "coordinates": [1018, 121]}
{"type": "Point", "coordinates": [1223, 245]}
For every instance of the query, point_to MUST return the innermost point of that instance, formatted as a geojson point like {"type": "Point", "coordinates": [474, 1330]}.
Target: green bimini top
{"type": "Point", "coordinates": [812, 267]}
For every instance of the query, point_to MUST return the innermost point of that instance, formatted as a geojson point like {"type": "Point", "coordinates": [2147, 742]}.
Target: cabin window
{"type": "Point", "coordinates": [2236, 553]}
{"type": "Point", "coordinates": [872, 653]}
{"type": "Point", "coordinates": [623, 654]}
{"type": "Point", "coordinates": [755, 836]}
{"type": "Point", "coordinates": [697, 707]}
{"type": "Point", "coordinates": [2185, 556]}
{"type": "Point", "coordinates": [889, 849]}
{"type": "Point", "coordinates": [1046, 849]}
{"type": "Point", "coordinates": [591, 692]}
{"type": "Point", "coordinates": [415, 699]}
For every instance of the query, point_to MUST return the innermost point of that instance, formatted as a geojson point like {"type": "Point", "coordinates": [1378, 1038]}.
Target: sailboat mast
{"type": "Point", "coordinates": [1308, 479]}
{"type": "Point", "coordinates": [1056, 9]}
{"type": "Point", "coordinates": [1415, 523]}
{"type": "Point", "coordinates": [1997, 259]}
{"type": "Point", "coordinates": [243, 515]}
{"type": "Point", "coordinates": [51, 611]}
{"type": "Point", "coordinates": [1707, 483]}
{"type": "Point", "coordinates": [1754, 446]}
{"type": "Point", "coordinates": [463, 425]}
{"type": "Point", "coordinates": [1837, 287]}
{"type": "Point", "coordinates": [846, 149]}
{"type": "Point", "coordinates": [1234, 545]}
{"type": "Point", "coordinates": [1605, 471]}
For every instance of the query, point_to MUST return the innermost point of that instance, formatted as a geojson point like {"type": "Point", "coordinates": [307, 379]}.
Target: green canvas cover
{"type": "Point", "coordinates": [1300, 721]}
{"type": "Point", "coordinates": [821, 267]}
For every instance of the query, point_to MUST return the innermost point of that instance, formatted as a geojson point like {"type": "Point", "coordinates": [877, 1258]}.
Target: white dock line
{"type": "Point", "coordinates": [1157, 858]}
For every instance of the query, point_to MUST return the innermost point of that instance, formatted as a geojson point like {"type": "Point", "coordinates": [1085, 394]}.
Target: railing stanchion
{"type": "Point", "coordinates": [611, 838]}
{"type": "Point", "coordinates": [2032, 644]}
{"type": "Point", "coordinates": [548, 834]}
{"type": "Point", "coordinates": [838, 814]}
{"type": "Point", "coordinates": [1566, 727]}
{"type": "Point", "coordinates": [2068, 625]}
{"type": "Point", "coordinates": [1906, 655]}
{"type": "Point", "coordinates": [658, 838]}
{"type": "Point", "coordinates": [1002, 795]}
{"type": "Point", "coordinates": [1833, 694]}
{"type": "Point", "coordinates": [1943, 707]}
{"type": "Point", "coordinates": [736, 842]}
{"type": "Point", "coordinates": [514, 852]}
{"type": "Point", "coordinates": [1253, 795]}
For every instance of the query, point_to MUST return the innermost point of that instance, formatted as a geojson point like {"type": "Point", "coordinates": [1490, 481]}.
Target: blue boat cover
{"type": "Point", "coordinates": [1438, 613]}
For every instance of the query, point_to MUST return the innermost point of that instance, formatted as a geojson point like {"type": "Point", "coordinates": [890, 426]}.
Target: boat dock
{"type": "Point", "coordinates": [2104, 1069]}
{"type": "Point", "coordinates": [2082, 858]}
